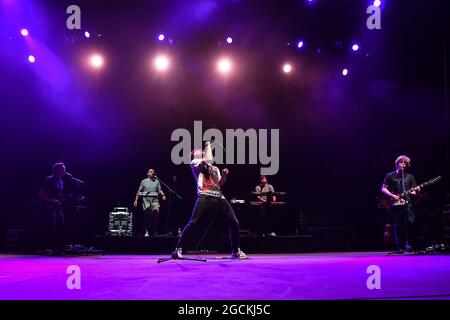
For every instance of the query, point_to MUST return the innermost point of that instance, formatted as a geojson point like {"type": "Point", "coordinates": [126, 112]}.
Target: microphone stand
{"type": "Point", "coordinates": [169, 199]}
{"type": "Point", "coordinates": [405, 214]}
{"type": "Point", "coordinates": [173, 256]}
{"type": "Point", "coordinates": [165, 185]}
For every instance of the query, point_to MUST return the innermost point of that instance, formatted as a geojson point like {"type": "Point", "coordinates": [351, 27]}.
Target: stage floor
{"type": "Point", "coordinates": [263, 276]}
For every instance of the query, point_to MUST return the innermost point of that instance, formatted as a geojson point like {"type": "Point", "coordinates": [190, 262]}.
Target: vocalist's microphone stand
{"type": "Point", "coordinates": [406, 234]}
{"type": "Point", "coordinates": [169, 199]}
{"type": "Point", "coordinates": [173, 257]}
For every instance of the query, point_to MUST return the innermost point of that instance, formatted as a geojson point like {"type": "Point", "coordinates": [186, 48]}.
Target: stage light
{"type": "Point", "coordinates": [224, 65]}
{"type": "Point", "coordinates": [96, 61]}
{"type": "Point", "coordinates": [24, 32]}
{"type": "Point", "coordinates": [300, 44]}
{"type": "Point", "coordinates": [345, 72]}
{"type": "Point", "coordinates": [229, 40]}
{"type": "Point", "coordinates": [355, 47]}
{"type": "Point", "coordinates": [161, 37]}
{"type": "Point", "coordinates": [287, 68]}
{"type": "Point", "coordinates": [161, 63]}
{"type": "Point", "coordinates": [31, 58]}
{"type": "Point", "coordinates": [377, 3]}
{"type": "Point", "coordinates": [87, 34]}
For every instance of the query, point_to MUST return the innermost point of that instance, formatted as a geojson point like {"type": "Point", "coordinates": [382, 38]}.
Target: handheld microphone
{"type": "Point", "coordinates": [213, 139]}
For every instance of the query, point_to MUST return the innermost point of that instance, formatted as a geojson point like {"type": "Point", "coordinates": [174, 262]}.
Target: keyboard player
{"type": "Point", "coordinates": [150, 191]}
{"type": "Point", "coordinates": [264, 224]}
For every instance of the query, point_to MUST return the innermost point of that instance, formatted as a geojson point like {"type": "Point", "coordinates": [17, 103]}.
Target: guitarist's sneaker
{"type": "Point", "coordinates": [239, 255]}
{"type": "Point", "coordinates": [408, 248]}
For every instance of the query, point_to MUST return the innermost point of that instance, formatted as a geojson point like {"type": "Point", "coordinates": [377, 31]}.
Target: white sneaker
{"type": "Point", "coordinates": [177, 254]}
{"type": "Point", "coordinates": [239, 255]}
{"type": "Point", "coordinates": [272, 234]}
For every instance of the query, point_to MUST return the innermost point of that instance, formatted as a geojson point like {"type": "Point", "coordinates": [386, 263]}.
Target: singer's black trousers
{"type": "Point", "coordinates": [207, 206]}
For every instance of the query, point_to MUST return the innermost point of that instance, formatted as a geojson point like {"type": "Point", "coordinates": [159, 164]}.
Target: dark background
{"type": "Point", "coordinates": [339, 135]}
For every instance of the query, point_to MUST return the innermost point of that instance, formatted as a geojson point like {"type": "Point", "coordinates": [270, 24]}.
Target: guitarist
{"type": "Point", "coordinates": [54, 193]}
{"type": "Point", "coordinates": [401, 211]}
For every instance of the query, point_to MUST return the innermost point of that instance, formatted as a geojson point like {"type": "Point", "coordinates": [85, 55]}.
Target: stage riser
{"type": "Point", "coordinates": [167, 244]}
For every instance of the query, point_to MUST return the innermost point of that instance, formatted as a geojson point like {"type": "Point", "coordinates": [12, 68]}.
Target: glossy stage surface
{"type": "Point", "coordinates": [263, 276]}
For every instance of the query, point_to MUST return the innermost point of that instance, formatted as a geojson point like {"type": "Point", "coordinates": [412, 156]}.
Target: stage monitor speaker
{"type": "Point", "coordinates": [120, 222]}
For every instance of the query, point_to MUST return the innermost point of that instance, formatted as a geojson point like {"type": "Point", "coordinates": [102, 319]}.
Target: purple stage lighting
{"type": "Point", "coordinates": [96, 61]}
{"type": "Point", "coordinates": [229, 40]}
{"type": "Point", "coordinates": [355, 47]}
{"type": "Point", "coordinates": [224, 65]}
{"type": "Point", "coordinates": [161, 63]}
{"type": "Point", "coordinates": [24, 32]}
{"type": "Point", "coordinates": [300, 44]}
{"type": "Point", "coordinates": [377, 3]}
{"type": "Point", "coordinates": [161, 37]}
{"type": "Point", "coordinates": [287, 68]}
{"type": "Point", "coordinates": [31, 58]}
{"type": "Point", "coordinates": [345, 72]}
{"type": "Point", "coordinates": [87, 34]}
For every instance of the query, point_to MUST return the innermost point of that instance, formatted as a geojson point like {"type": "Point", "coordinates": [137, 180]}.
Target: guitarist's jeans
{"type": "Point", "coordinates": [56, 228]}
{"type": "Point", "coordinates": [402, 220]}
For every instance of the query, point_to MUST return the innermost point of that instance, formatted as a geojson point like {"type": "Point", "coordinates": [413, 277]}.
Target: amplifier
{"type": "Point", "coordinates": [120, 222]}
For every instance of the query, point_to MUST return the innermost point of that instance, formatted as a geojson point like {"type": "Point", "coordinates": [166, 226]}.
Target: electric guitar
{"type": "Point", "coordinates": [65, 200]}
{"type": "Point", "coordinates": [385, 203]}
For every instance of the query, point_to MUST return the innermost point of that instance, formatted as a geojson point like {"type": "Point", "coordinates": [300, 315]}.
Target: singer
{"type": "Point", "coordinates": [209, 201]}
{"type": "Point", "coordinates": [401, 211]}
{"type": "Point", "coordinates": [149, 190]}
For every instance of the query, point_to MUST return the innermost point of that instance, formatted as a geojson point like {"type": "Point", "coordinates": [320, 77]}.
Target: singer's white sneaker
{"type": "Point", "coordinates": [177, 254]}
{"type": "Point", "coordinates": [239, 255]}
